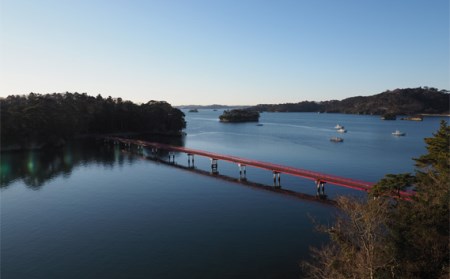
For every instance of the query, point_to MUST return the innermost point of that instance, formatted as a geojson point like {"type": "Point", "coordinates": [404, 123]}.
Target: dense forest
{"type": "Point", "coordinates": [386, 236]}
{"type": "Point", "coordinates": [239, 115]}
{"type": "Point", "coordinates": [36, 120]}
{"type": "Point", "coordinates": [407, 101]}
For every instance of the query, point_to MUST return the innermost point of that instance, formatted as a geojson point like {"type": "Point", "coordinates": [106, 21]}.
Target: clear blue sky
{"type": "Point", "coordinates": [227, 52]}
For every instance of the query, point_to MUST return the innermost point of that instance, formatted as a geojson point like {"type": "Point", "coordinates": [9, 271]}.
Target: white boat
{"type": "Point", "coordinates": [341, 130]}
{"type": "Point", "coordinates": [338, 126]}
{"type": "Point", "coordinates": [337, 139]}
{"type": "Point", "coordinates": [398, 133]}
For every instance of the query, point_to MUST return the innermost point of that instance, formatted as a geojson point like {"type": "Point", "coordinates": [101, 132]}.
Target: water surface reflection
{"type": "Point", "coordinates": [37, 167]}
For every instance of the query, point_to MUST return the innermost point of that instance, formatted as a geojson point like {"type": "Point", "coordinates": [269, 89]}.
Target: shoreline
{"type": "Point", "coordinates": [435, 115]}
{"type": "Point", "coordinates": [62, 142]}
{"type": "Point", "coordinates": [325, 112]}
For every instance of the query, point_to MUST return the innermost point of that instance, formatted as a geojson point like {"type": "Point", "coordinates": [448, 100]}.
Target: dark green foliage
{"type": "Point", "coordinates": [406, 101]}
{"type": "Point", "coordinates": [35, 120]}
{"type": "Point", "coordinates": [392, 184]}
{"type": "Point", "coordinates": [305, 106]}
{"type": "Point", "coordinates": [404, 239]}
{"type": "Point", "coordinates": [239, 115]}
{"type": "Point", "coordinates": [421, 235]}
{"type": "Point", "coordinates": [437, 160]}
{"type": "Point", "coordinates": [389, 116]}
{"type": "Point", "coordinates": [422, 227]}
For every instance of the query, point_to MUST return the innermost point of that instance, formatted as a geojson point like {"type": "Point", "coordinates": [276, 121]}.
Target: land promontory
{"type": "Point", "coordinates": [37, 120]}
{"type": "Point", "coordinates": [406, 101]}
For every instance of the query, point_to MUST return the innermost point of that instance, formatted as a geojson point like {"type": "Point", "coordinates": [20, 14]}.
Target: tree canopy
{"type": "Point", "coordinates": [409, 101]}
{"type": "Point", "coordinates": [380, 238]}
{"type": "Point", "coordinates": [37, 119]}
{"type": "Point", "coordinates": [437, 161]}
{"type": "Point", "coordinates": [239, 115]}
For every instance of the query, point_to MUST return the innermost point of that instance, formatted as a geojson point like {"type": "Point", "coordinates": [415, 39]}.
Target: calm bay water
{"type": "Point", "coordinates": [94, 211]}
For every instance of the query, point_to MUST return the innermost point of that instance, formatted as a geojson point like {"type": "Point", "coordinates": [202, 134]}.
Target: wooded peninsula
{"type": "Point", "coordinates": [38, 120]}
{"type": "Point", "coordinates": [406, 101]}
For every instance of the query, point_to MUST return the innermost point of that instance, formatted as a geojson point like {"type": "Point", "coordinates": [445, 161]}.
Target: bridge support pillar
{"type": "Point", "coordinates": [154, 152]}
{"type": "Point", "coordinates": [320, 187]}
{"type": "Point", "coordinates": [190, 156]}
{"type": "Point", "coordinates": [172, 157]}
{"type": "Point", "coordinates": [242, 172]}
{"type": "Point", "coordinates": [276, 178]}
{"type": "Point", "coordinates": [140, 149]}
{"type": "Point", "coordinates": [214, 166]}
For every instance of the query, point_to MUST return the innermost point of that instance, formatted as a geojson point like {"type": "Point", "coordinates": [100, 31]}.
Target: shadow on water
{"type": "Point", "coordinates": [37, 167]}
{"type": "Point", "coordinates": [244, 182]}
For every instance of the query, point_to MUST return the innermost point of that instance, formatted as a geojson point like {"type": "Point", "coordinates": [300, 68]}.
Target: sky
{"type": "Point", "coordinates": [232, 52]}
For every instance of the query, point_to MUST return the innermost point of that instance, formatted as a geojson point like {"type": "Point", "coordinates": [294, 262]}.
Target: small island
{"type": "Point", "coordinates": [239, 115]}
{"type": "Point", "coordinates": [193, 110]}
{"type": "Point", "coordinates": [389, 116]}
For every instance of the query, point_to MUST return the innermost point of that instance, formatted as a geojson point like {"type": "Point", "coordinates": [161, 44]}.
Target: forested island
{"type": "Point", "coordinates": [407, 101]}
{"type": "Point", "coordinates": [38, 120]}
{"type": "Point", "coordinates": [239, 115]}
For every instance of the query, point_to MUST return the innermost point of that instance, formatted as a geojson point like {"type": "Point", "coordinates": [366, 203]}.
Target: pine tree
{"type": "Point", "coordinates": [436, 163]}
{"type": "Point", "coordinates": [380, 238]}
{"type": "Point", "coordinates": [422, 226]}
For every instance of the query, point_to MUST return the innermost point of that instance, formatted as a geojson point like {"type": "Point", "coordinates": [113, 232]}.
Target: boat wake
{"type": "Point", "coordinates": [298, 126]}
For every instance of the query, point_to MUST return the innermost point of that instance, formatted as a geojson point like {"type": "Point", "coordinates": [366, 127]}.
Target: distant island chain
{"type": "Point", "coordinates": [39, 120]}
{"type": "Point", "coordinates": [406, 101]}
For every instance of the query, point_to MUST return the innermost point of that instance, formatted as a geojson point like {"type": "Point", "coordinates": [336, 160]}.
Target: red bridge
{"type": "Point", "coordinates": [319, 178]}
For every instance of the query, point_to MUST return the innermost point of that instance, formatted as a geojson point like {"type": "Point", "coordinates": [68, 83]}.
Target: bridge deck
{"type": "Point", "coordinates": [312, 175]}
